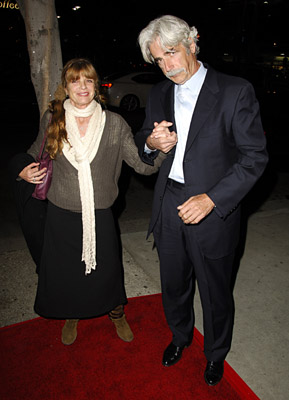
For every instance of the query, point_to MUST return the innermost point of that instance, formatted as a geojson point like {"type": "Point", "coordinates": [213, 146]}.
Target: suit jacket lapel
{"type": "Point", "coordinates": [169, 98]}
{"type": "Point", "coordinates": [205, 104]}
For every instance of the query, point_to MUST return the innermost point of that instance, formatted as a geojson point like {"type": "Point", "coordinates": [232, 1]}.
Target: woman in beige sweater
{"type": "Point", "coordinates": [80, 274]}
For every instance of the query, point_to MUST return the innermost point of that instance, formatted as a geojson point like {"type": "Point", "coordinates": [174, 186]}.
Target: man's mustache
{"type": "Point", "coordinates": [174, 72]}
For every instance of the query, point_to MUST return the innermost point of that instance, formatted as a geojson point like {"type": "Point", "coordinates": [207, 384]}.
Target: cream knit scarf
{"type": "Point", "coordinates": [80, 152]}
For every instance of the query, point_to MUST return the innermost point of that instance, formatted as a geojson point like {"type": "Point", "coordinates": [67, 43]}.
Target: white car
{"type": "Point", "coordinates": [129, 91]}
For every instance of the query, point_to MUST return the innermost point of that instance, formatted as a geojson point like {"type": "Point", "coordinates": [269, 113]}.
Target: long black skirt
{"type": "Point", "coordinates": [64, 291]}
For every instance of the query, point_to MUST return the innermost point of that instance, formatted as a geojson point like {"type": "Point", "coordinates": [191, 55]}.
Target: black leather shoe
{"type": "Point", "coordinates": [172, 354]}
{"type": "Point", "coordinates": [214, 372]}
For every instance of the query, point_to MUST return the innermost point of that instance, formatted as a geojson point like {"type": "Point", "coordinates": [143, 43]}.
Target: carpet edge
{"type": "Point", "coordinates": [230, 374]}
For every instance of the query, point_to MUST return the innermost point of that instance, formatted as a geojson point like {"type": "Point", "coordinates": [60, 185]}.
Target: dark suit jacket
{"type": "Point", "coordinates": [224, 157]}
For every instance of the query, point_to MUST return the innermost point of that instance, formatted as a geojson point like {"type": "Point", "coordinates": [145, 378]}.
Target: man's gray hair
{"type": "Point", "coordinates": [170, 31]}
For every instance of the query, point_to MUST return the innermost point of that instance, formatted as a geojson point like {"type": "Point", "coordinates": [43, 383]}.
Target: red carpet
{"type": "Point", "coordinates": [99, 366]}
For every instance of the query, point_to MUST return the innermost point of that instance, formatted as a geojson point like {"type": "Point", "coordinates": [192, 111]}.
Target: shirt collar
{"type": "Point", "coordinates": [196, 81]}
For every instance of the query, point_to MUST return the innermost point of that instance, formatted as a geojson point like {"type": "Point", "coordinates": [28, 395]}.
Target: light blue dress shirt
{"type": "Point", "coordinates": [186, 97]}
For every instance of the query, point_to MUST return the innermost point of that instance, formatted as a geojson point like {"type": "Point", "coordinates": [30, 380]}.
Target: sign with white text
{"type": "Point", "coordinates": [9, 4]}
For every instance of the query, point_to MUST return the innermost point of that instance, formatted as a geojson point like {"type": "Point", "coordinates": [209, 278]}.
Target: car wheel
{"type": "Point", "coordinates": [129, 103]}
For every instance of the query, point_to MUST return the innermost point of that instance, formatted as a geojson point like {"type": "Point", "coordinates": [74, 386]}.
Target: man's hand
{"type": "Point", "coordinates": [161, 137]}
{"type": "Point", "coordinates": [196, 208]}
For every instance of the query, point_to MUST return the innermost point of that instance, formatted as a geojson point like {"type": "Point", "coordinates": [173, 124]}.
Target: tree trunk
{"type": "Point", "coordinates": [44, 48]}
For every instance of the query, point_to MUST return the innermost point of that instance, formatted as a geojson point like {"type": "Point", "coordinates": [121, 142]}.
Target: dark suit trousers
{"type": "Point", "coordinates": [182, 263]}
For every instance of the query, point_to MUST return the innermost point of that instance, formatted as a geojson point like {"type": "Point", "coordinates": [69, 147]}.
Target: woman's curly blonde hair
{"type": "Point", "coordinates": [56, 133]}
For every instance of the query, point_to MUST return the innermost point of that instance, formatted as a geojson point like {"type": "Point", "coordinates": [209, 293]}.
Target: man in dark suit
{"type": "Point", "coordinates": [209, 125]}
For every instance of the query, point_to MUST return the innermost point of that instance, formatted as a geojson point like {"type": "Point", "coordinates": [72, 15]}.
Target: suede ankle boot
{"type": "Point", "coordinates": [69, 331]}
{"type": "Point", "coordinates": [122, 328]}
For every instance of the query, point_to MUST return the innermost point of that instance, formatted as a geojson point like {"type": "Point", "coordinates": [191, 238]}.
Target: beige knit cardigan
{"type": "Point", "coordinates": [116, 145]}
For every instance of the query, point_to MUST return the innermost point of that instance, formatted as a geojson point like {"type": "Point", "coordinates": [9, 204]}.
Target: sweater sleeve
{"type": "Point", "coordinates": [131, 155]}
{"type": "Point", "coordinates": [21, 160]}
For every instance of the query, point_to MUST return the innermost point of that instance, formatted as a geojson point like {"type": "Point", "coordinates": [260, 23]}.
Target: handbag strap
{"type": "Point", "coordinates": [41, 151]}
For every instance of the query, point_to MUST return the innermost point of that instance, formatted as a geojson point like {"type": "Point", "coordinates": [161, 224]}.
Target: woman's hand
{"type": "Point", "coordinates": [32, 174]}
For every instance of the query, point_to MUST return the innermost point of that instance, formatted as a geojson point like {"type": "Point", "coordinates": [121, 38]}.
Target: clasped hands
{"type": "Point", "coordinates": [32, 174]}
{"type": "Point", "coordinates": [161, 137]}
{"type": "Point", "coordinates": [196, 207]}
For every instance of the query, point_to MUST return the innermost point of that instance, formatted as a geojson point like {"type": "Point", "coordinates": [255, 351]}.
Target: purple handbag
{"type": "Point", "coordinates": [45, 161]}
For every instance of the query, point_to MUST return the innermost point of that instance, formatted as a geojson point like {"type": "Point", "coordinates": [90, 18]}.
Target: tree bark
{"type": "Point", "coordinates": [44, 48]}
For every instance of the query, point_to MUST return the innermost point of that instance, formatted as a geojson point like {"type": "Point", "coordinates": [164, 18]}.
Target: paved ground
{"type": "Point", "coordinates": [261, 339]}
